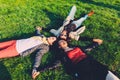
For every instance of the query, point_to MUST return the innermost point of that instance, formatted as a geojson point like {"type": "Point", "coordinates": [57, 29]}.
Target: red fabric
{"type": "Point", "coordinates": [76, 55]}
{"type": "Point", "coordinates": [8, 49]}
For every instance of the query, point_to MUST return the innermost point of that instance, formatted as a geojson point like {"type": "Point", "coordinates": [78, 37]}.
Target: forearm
{"type": "Point", "coordinates": [91, 47]}
{"type": "Point", "coordinates": [85, 39]}
{"type": "Point", "coordinates": [57, 64]}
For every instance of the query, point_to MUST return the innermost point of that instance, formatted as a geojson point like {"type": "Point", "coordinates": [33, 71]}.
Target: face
{"type": "Point", "coordinates": [51, 40]}
{"type": "Point", "coordinates": [63, 35]}
{"type": "Point", "coordinates": [63, 44]}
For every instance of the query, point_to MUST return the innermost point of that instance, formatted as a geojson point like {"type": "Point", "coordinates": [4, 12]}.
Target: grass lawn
{"type": "Point", "coordinates": [18, 18]}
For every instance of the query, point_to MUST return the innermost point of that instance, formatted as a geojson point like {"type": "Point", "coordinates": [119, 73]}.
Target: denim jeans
{"type": "Point", "coordinates": [79, 21]}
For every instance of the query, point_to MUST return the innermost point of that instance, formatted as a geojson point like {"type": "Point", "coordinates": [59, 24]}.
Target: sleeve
{"type": "Point", "coordinates": [27, 52]}
{"type": "Point", "coordinates": [90, 47]}
{"type": "Point", "coordinates": [85, 39]}
{"type": "Point", "coordinates": [56, 60]}
{"type": "Point", "coordinates": [57, 64]}
{"type": "Point", "coordinates": [42, 49]}
{"type": "Point", "coordinates": [37, 33]}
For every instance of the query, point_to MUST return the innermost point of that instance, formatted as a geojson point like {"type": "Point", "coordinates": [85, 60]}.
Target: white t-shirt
{"type": "Point", "coordinates": [26, 44]}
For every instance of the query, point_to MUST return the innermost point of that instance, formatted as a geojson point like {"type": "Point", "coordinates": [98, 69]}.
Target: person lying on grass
{"type": "Point", "coordinates": [70, 24]}
{"type": "Point", "coordinates": [24, 47]}
{"type": "Point", "coordinates": [79, 64]}
{"type": "Point", "coordinates": [71, 28]}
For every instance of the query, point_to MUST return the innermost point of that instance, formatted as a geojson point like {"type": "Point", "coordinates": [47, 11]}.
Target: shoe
{"type": "Point", "coordinates": [91, 13]}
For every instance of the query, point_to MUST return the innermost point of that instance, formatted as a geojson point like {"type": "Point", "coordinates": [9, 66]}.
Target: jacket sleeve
{"type": "Point", "coordinates": [85, 39]}
{"type": "Point", "coordinates": [57, 64]}
{"type": "Point", "coordinates": [90, 47]}
{"type": "Point", "coordinates": [56, 60]}
{"type": "Point", "coordinates": [42, 49]}
{"type": "Point", "coordinates": [38, 33]}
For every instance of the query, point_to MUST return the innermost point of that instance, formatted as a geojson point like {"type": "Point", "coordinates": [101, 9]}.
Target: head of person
{"type": "Point", "coordinates": [62, 44]}
{"type": "Point", "coordinates": [71, 27]}
{"type": "Point", "coordinates": [51, 40]}
{"type": "Point", "coordinates": [63, 35]}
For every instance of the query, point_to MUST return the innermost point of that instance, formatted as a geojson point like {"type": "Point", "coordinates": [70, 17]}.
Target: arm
{"type": "Point", "coordinates": [37, 31]}
{"type": "Point", "coordinates": [37, 72]}
{"type": "Point", "coordinates": [51, 67]}
{"type": "Point", "coordinates": [42, 49]}
{"type": "Point", "coordinates": [95, 43]}
{"type": "Point", "coordinates": [85, 39]}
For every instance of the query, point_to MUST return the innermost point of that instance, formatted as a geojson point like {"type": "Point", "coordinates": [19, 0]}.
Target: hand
{"type": "Point", "coordinates": [35, 73]}
{"type": "Point", "coordinates": [38, 28]}
{"type": "Point", "coordinates": [99, 41]}
{"type": "Point", "coordinates": [72, 35]}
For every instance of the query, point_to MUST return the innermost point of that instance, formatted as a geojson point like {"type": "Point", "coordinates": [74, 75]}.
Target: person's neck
{"type": "Point", "coordinates": [67, 48]}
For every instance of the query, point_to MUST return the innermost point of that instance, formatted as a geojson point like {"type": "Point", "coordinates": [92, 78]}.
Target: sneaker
{"type": "Point", "coordinates": [91, 13]}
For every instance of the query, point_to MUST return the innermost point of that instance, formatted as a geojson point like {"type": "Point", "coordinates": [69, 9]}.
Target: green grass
{"type": "Point", "coordinates": [18, 18]}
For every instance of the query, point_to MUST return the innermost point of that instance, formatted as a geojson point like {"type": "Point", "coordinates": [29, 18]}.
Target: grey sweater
{"type": "Point", "coordinates": [40, 49]}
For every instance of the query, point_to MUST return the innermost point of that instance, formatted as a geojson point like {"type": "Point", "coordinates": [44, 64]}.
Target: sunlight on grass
{"type": "Point", "coordinates": [18, 18]}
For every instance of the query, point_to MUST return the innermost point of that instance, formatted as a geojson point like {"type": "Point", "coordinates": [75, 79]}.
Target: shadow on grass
{"type": "Point", "coordinates": [16, 37]}
{"type": "Point", "coordinates": [4, 74]}
{"type": "Point", "coordinates": [56, 19]}
{"type": "Point", "coordinates": [116, 7]}
{"type": "Point", "coordinates": [56, 22]}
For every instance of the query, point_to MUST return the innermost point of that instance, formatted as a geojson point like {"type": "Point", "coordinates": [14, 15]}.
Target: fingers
{"type": "Point", "coordinates": [39, 28]}
{"type": "Point", "coordinates": [99, 41]}
{"type": "Point", "coordinates": [35, 74]}
{"type": "Point", "coordinates": [72, 35]}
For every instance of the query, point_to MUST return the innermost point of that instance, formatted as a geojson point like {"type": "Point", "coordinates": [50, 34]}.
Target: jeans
{"type": "Point", "coordinates": [79, 21]}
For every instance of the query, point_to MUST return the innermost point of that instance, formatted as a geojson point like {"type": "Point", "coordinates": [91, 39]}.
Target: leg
{"type": "Point", "coordinates": [67, 20]}
{"type": "Point", "coordinates": [70, 16]}
{"type": "Point", "coordinates": [37, 31]}
{"type": "Point", "coordinates": [6, 44]}
{"type": "Point", "coordinates": [82, 19]}
{"type": "Point", "coordinates": [72, 13]}
{"type": "Point", "coordinates": [111, 76]}
{"type": "Point", "coordinates": [9, 51]}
